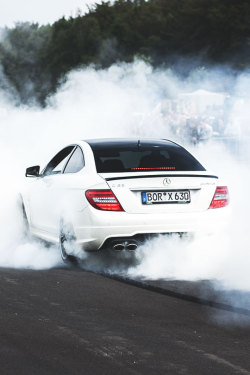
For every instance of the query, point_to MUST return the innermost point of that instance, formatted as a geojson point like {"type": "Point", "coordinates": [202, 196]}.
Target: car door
{"type": "Point", "coordinates": [45, 195]}
{"type": "Point", "coordinates": [70, 186]}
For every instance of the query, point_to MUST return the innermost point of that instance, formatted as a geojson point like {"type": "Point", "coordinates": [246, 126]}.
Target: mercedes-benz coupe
{"type": "Point", "coordinates": [114, 193]}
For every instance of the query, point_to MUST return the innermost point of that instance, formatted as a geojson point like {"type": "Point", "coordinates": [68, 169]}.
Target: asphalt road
{"type": "Point", "coordinates": [69, 321]}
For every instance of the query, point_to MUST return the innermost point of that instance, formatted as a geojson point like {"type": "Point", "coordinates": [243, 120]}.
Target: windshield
{"type": "Point", "coordinates": [141, 156]}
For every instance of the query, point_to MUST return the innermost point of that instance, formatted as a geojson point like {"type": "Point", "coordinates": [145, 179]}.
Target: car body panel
{"type": "Point", "coordinates": [129, 192]}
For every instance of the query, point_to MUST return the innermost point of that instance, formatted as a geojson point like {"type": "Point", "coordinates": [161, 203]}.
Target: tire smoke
{"type": "Point", "coordinates": [134, 100]}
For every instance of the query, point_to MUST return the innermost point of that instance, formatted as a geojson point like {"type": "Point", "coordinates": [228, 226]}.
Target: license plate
{"type": "Point", "coordinates": [152, 197]}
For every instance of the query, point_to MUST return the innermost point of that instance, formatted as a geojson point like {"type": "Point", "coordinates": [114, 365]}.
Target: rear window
{"type": "Point", "coordinates": [143, 157]}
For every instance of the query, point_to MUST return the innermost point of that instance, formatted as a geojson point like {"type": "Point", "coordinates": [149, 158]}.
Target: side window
{"type": "Point", "coordinates": [58, 162]}
{"type": "Point", "coordinates": [76, 162]}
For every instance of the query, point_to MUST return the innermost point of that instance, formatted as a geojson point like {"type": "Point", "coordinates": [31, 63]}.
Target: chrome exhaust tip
{"type": "Point", "coordinates": [131, 246]}
{"type": "Point", "coordinates": [119, 247]}
{"type": "Point", "coordinates": [125, 245]}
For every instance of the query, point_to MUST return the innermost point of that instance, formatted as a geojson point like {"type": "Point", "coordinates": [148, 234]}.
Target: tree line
{"type": "Point", "coordinates": [34, 59]}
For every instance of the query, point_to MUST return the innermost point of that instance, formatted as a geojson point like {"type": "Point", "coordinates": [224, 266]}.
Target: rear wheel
{"type": "Point", "coordinates": [67, 244]}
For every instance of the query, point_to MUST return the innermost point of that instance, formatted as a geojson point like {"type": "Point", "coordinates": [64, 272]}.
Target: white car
{"type": "Point", "coordinates": [114, 193]}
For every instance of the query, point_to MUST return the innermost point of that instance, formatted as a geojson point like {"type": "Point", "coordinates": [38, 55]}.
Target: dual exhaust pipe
{"type": "Point", "coordinates": [125, 245]}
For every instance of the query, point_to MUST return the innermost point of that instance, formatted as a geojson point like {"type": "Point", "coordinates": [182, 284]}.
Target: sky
{"type": "Point", "coordinates": [41, 11]}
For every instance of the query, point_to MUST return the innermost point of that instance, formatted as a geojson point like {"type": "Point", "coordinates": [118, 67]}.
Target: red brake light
{"type": "Point", "coordinates": [104, 200]}
{"type": "Point", "coordinates": [221, 197]}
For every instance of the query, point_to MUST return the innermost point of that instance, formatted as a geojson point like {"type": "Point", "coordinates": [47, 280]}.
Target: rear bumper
{"type": "Point", "coordinates": [111, 225]}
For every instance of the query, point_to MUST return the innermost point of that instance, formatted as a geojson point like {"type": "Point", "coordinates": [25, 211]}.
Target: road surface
{"type": "Point", "coordinates": [69, 321]}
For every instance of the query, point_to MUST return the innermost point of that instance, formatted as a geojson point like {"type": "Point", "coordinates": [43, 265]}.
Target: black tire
{"type": "Point", "coordinates": [67, 240]}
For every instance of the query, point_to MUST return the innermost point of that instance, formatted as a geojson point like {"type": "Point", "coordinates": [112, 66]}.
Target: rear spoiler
{"type": "Point", "coordinates": [159, 175]}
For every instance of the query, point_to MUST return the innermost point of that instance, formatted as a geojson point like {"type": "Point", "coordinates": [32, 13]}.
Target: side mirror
{"type": "Point", "coordinates": [33, 171]}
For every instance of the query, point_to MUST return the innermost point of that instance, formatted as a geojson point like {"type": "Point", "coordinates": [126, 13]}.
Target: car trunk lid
{"type": "Point", "coordinates": [132, 189]}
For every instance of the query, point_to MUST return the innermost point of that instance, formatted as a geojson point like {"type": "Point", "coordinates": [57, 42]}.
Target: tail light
{"type": "Point", "coordinates": [221, 197]}
{"type": "Point", "coordinates": [104, 200]}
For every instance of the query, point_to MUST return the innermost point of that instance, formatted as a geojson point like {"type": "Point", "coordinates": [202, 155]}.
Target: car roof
{"type": "Point", "coordinates": [129, 142]}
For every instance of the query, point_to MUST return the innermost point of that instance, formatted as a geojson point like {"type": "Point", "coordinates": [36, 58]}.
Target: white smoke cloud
{"type": "Point", "coordinates": [128, 100]}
